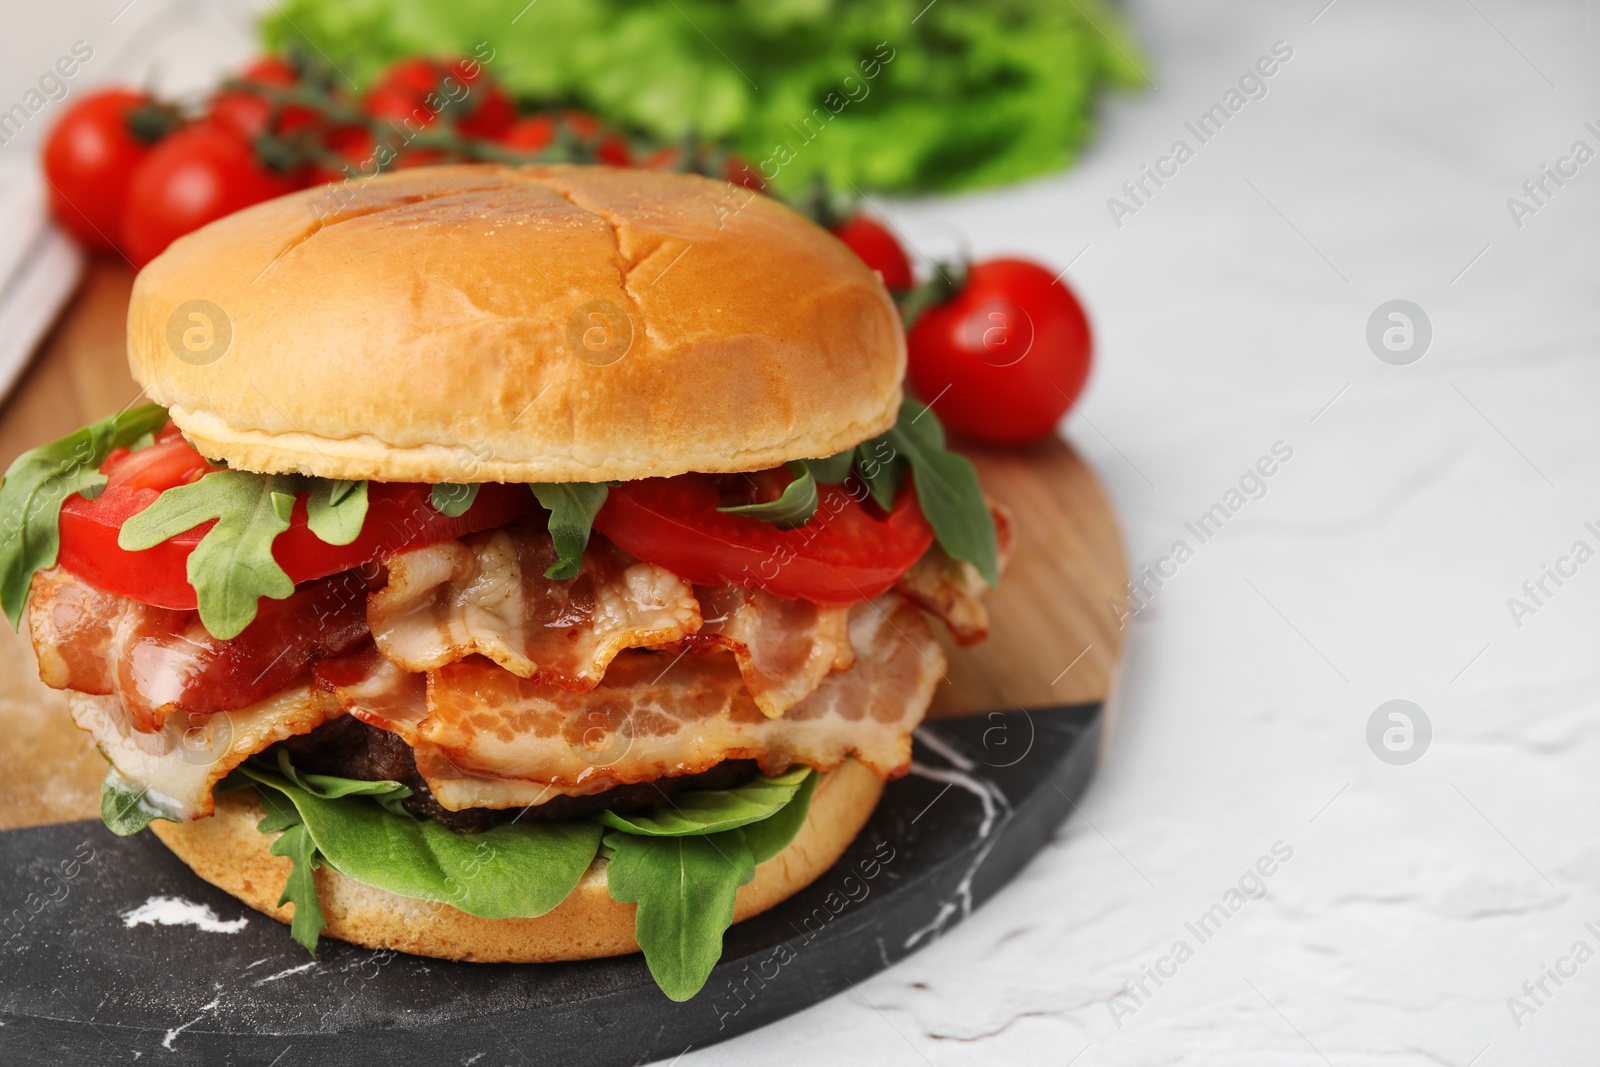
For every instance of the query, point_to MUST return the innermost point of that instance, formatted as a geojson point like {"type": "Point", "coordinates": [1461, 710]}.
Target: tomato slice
{"type": "Point", "coordinates": [849, 551]}
{"type": "Point", "coordinates": [400, 516]}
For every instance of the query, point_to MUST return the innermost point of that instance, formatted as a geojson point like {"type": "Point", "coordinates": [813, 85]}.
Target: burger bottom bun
{"type": "Point", "coordinates": [229, 852]}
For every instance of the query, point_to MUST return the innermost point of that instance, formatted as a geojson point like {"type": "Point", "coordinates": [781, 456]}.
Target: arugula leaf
{"type": "Point", "coordinates": [301, 887]}
{"type": "Point", "coordinates": [882, 469]}
{"type": "Point", "coordinates": [713, 810]}
{"type": "Point", "coordinates": [831, 470]}
{"type": "Point", "coordinates": [123, 808]}
{"type": "Point", "coordinates": [572, 507]}
{"type": "Point", "coordinates": [513, 870]}
{"type": "Point", "coordinates": [685, 888]}
{"type": "Point", "coordinates": [232, 567]}
{"type": "Point", "coordinates": [336, 510]}
{"type": "Point", "coordinates": [331, 787]}
{"type": "Point", "coordinates": [454, 499]}
{"type": "Point", "coordinates": [947, 490]}
{"type": "Point", "coordinates": [772, 835]}
{"type": "Point", "coordinates": [39, 481]}
{"type": "Point", "coordinates": [794, 507]}
{"type": "Point", "coordinates": [684, 880]}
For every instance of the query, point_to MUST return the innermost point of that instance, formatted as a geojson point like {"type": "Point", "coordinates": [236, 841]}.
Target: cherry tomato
{"type": "Point", "coordinates": [421, 157]}
{"type": "Point", "coordinates": [413, 93]}
{"type": "Point", "coordinates": [250, 113]}
{"type": "Point", "coordinates": [739, 171]}
{"type": "Point", "coordinates": [399, 516]}
{"type": "Point", "coordinates": [195, 176]}
{"type": "Point", "coordinates": [532, 134]}
{"type": "Point", "coordinates": [878, 249]}
{"type": "Point", "coordinates": [1004, 360]}
{"type": "Point", "coordinates": [734, 168]}
{"type": "Point", "coordinates": [610, 147]}
{"type": "Point", "coordinates": [89, 159]}
{"type": "Point", "coordinates": [356, 150]}
{"type": "Point", "coordinates": [848, 552]}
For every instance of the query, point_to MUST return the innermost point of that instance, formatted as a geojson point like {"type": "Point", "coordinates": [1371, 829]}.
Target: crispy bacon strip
{"type": "Point", "coordinates": [177, 765]}
{"type": "Point", "coordinates": [952, 589]}
{"type": "Point", "coordinates": [487, 595]}
{"type": "Point", "coordinates": [784, 648]}
{"type": "Point", "coordinates": [161, 663]}
{"type": "Point", "coordinates": [487, 738]}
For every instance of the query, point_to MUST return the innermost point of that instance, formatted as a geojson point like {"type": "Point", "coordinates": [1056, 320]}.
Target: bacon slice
{"type": "Point", "coordinates": [176, 766]}
{"type": "Point", "coordinates": [161, 663]}
{"type": "Point", "coordinates": [784, 648]}
{"type": "Point", "coordinates": [487, 738]}
{"type": "Point", "coordinates": [952, 589]}
{"type": "Point", "coordinates": [487, 595]}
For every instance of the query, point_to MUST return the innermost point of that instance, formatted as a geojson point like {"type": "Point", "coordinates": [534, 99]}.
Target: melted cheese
{"type": "Point", "coordinates": [175, 767]}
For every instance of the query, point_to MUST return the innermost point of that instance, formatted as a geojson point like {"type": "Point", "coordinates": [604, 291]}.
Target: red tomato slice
{"type": "Point", "coordinates": [848, 552]}
{"type": "Point", "coordinates": [399, 516]}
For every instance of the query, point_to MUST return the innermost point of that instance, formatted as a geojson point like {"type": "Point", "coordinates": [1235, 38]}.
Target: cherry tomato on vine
{"type": "Point", "coordinates": [193, 177]}
{"type": "Point", "coordinates": [89, 159]}
{"type": "Point", "coordinates": [734, 168]}
{"type": "Point", "coordinates": [352, 152]}
{"type": "Point", "coordinates": [878, 249]}
{"type": "Point", "coordinates": [1004, 360]}
{"type": "Point", "coordinates": [610, 147]}
{"type": "Point", "coordinates": [251, 113]}
{"type": "Point", "coordinates": [413, 93]}
{"type": "Point", "coordinates": [532, 134]}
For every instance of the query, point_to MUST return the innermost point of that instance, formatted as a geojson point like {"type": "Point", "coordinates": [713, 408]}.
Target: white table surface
{"type": "Point", "coordinates": [1377, 566]}
{"type": "Point", "coordinates": [1231, 312]}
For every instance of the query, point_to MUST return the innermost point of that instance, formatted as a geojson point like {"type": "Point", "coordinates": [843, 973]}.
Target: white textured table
{"type": "Point", "coordinates": [1231, 307]}
{"type": "Point", "coordinates": [1231, 310]}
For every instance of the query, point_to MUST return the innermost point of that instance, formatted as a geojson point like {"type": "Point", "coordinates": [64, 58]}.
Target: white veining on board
{"type": "Point", "coordinates": [995, 807]}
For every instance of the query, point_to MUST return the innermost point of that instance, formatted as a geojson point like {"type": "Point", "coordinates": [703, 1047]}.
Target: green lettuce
{"type": "Point", "coordinates": [681, 865]}
{"type": "Point", "coordinates": [879, 94]}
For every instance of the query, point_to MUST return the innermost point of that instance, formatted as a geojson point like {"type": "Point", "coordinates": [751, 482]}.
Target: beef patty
{"type": "Point", "coordinates": [349, 748]}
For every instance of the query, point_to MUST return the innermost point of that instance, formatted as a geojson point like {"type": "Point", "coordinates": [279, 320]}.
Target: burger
{"type": "Point", "coordinates": [508, 564]}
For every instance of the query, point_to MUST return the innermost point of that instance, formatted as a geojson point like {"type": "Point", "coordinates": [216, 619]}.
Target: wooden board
{"type": "Point", "coordinates": [1055, 639]}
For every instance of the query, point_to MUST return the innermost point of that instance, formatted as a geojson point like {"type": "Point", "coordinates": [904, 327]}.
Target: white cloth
{"type": "Point", "coordinates": [39, 266]}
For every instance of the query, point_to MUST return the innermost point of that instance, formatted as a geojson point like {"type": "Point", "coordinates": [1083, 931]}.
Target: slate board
{"type": "Point", "coordinates": [77, 985]}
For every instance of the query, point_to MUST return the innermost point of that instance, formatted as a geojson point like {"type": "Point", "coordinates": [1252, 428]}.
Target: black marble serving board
{"type": "Point", "coordinates": [80, 986]}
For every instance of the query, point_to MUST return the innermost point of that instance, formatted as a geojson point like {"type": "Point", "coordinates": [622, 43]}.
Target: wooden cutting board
{"type": "Point", "coordinates": [1055, 639]}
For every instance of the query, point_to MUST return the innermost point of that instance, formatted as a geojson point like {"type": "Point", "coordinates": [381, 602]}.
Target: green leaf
{"type": "Point", "coordinates": [123, 807]}
{"type": "Point", "coordinates": [453, 499]}
{"type": "Point", "coordinates": [970, 94]}
{"type": "Point", "coordinates": [330, 787]}
{"type": "Point", "coordinates": [947, 490]}
{"type": "Point", "coordinates": [713, 810]}
{"type": "Point", "coordinates": [513, 870]}
{"type": "Point", "coordinates": [40, 480]}
{"type": "Point", "coordinates": [301, 887]}
{"type": "Point", "coordinates": [882, 469]}
{"type": "Point", "coordinates": [772, 835]}
{"type": "Point", "coordinates": [232, 567]}
{"type": "Point", "coordinates": [833, 469]}
{"type": "Point", "coordinates": [336, 510]}
{"type": "Point", "coordinates": [572, 507]}
{"type": "Point", "coordinates": [684, 887]}
{"type": "Point", "coordinates": [794, 506]}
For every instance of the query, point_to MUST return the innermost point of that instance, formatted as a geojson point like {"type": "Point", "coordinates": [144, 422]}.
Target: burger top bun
{"type": "Point", "coordinates": [542, 324]}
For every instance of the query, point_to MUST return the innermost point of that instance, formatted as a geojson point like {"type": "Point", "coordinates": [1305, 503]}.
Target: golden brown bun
{"type": "Point", "coordinates": [466, 324]}
{"type": "Point", "coordinates": [229, 852]}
